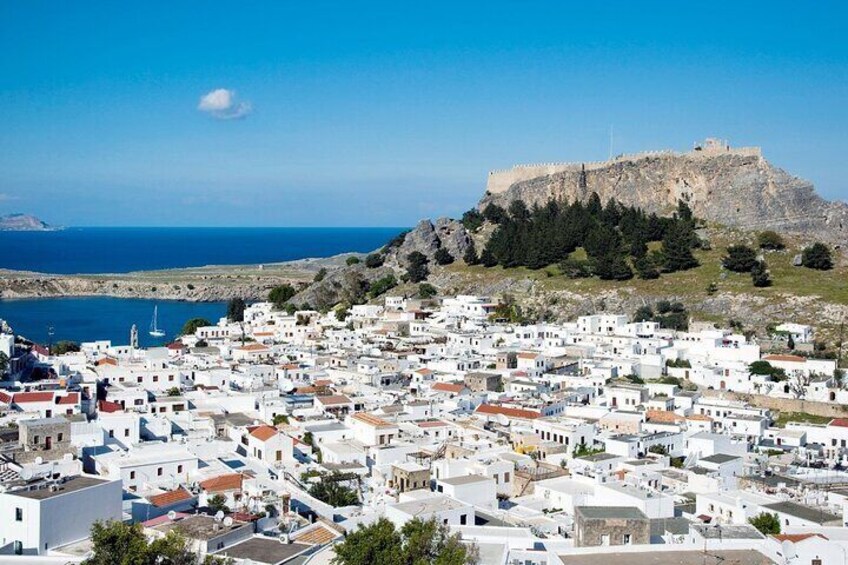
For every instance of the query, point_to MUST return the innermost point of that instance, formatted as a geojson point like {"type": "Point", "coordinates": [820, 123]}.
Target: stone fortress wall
{"type": "Point", "coordinates": [500, 180]}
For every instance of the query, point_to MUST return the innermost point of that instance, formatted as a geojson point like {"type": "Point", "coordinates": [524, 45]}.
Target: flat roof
{"type": "Point", "coordinates": [713, 557]}
{"type": "Point", "coordinates": [607, 512]}
{"type": "Point", "coordinates": [719, 458]}
{"type": "Point", "coordinates": [264, 550]}
{"type": "Point", "coordinates": [817, 515]}
{"type": "Point", "coordinates": [72, 484]}
{"type": "Point", "coordinates": [464, 480]}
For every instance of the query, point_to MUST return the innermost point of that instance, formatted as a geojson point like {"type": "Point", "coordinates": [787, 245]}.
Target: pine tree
{"type": "Point", "coordinates": [470, 256]}
{"type": "Point", "coordinates": [677, 248]}
{"type": "Point", "coordinates": [760, 275]}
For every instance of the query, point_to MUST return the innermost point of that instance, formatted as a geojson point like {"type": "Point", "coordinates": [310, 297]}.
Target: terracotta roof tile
{"type": "Point", "coordinates": [263, 432]}
{"type": "Point", "coordinates": [795, 538]}
{"type": "Point", "coordinates": [663, 416]}
{"type": "Point", "coordinates": [453, 388]}
{"type": "Point", "coordinates": [72, 398]}
{"type": "Point", "coordinates": [509, 412]}
{"type": "Point", "coordinates": [170, 497]}
{"type": "Point", "coordinates": [318, 536]}
{"type": "Point", "coordinates": [789, 358]}
{"type": "Point", "coordinates": [24, 397]}
{"type": "Point", "coordinates": [222, 483]}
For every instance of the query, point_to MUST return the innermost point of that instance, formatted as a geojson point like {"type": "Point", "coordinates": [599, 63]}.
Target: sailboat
{"type": "Point", "coordinates": [154, 327]}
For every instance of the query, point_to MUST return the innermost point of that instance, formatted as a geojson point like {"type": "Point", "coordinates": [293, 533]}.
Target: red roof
{"type": "Point", "coordinates": [790, 358]}
{"type": "Point", "coordinates": [108, 407]}
{"type": "Point", "coordinates": [448, 387]}
{"type": "Point", "coordinates": [72, 398]}
{"type": "Point", "coordinates": [24, 397]}
{"type": "Point", "coordinates": [170, 497]}
{"type": "Point", "coordinates": [839, 422]}
{"type": "Point", "coordinates": [506, 411]}
{"type": "Point", "coordinates": [106, 361]}
{"type": "Point", "coordinates": [222, 483]}
{"type": "Point", "coordinates": [795, 538]}
{"type": "Point", "coordinates": [263, 432]}
{"type": "Point", "coordinates": [5, 397]}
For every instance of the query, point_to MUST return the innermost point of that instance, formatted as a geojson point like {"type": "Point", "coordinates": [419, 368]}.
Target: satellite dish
{"type": "Point", "coordinates": [172, 515]}
{"type": "Point", "coordinates": [228, 521]}
{"type": "Point", "coordinates": [788, 549]}
{"type": "Point", "coordinates": [219, 516]}
{"type": "Point", "coordinates": [39, 460]}
{"type": "Point", "coordinates": [286, 385]}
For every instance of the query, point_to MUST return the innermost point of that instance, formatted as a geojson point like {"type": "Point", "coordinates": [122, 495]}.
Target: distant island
{"type": "Point", "coordinates": [24, 222]}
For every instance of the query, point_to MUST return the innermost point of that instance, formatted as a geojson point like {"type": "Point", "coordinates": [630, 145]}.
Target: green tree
{"type": "Point", "coordinates": [352, 260]}
{"type": "Point", "coordinates": [426, 290]}
{"type": "Point", "coordinates": [320, 275]}
{"type": "Point", "coordinates": [174, 391]}
{"type": "Point", "coordinates": [65, 346]}
{"type": "Point", "coordinates": [767, 524]}
{"type": "Point", "coordinates": [416, 268]}
{"type": "Point", "coordinates": [382, 285]}
{"type": "Point", "coordinates": [191, 325]}
{"type": "Point", "coordinates": [281, 294]}
{"type": "Point", "coordinates": [117, 543]}
{"type": "Point", "coordinates": [280, 419]}
{"type": "Point", "coordinates": [739, 259]}
{"type": "Point", "coordinates": [817, 256]}
{"type": "Point", "coordinates": [217, 503]}
{"type": "Point", "coordinates": [472, 219]}
{"type": "Point", "coordinates": [417, 543]}
{"type": "Point", "coordinates": [770, 240]}
{"type": "Point", "coordinates": [677, 248]}
{"type": "Point", "coordinates": [330, 491]}
{"type": "Point", "coordinates": [575, 268]}
{"type": "Point", "coordinates": [470, 256]}
{"type": "Point", "coordinates": [494, 213]}
{"type": "Point", "coordinates": [487, 258]}
{"type": "Point", "coordinates": [235, 309]}
{"type": "Point", "coordinates": [374, 260]}
{"type": "Point", "coordinates": [760, 275]}
{"type": "Point", "coordinates": [4, 362]}
{"type": "Point", "coordinates": [646, 268]}
{"type": "Point", "coordinates": [378, 543]}
{"type": "Point", "coordinates": [443, 256]}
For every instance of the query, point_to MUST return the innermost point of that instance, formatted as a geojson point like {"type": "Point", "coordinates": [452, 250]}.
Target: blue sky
{"type": "Point", "coordinates": [384, 113]}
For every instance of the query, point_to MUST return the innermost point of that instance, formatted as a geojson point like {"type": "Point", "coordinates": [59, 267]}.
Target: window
{"type": "Point", "coordinates": [35, 439]}
{"type": "Point", "coordinates": [462, 519]}
{"type": "Point", "coordinates": [19, 514]}
{"type": "Point", "coordinates": [179, 468]}
{"type": "Point", "coordinates": [132, 474]}
{"type": "Point", "coordinates": [155, 378]}
{"type": "Point", "coordinates": [627, 539]}
{"type": "Point", "coordinates": [159, 471]}
{"type": "Point", "coordinates": [506, 477]}
{"type": "Point", "coordinates": [111, 433]}
{"type": "Point", "coordinates": [60, 436]}
{"type": "Point", "coordinates": [126, 432]}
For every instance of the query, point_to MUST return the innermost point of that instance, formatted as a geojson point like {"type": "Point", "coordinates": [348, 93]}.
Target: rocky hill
{"type": "Point", "coordinates": [23, 222]}
{"type": "Point", "coordinates": [733, 187]}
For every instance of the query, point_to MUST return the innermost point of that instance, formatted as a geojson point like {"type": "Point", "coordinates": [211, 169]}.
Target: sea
{"type": "Point", "coordinates": [123, 250]}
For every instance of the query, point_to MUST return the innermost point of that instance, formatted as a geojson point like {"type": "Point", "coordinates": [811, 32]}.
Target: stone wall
{"type": "Point", "coordinates": [825, 409]}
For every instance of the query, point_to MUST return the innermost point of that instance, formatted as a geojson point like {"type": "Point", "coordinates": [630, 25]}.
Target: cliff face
{"type": "Point", "coordinates": [735, 189]}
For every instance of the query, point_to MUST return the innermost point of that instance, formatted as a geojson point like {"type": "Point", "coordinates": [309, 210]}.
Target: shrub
{"type": "Point", "coordinates": [760, 275]}
{"type": "Point", "coordinates": [319, 276]}
{"type": "Point", "coordinates": [426, 290]}
{"type": "Point", "coordinates": [472, 219]}
{"type": "Point", "coordinates": [382, 285]}
{"type": "Point", "coordinates": [416, 268]}
{"type": "Point", "coordinates": [817, 256]}
{"type": "Point", "coordinates": [767, 524]}
{"type": "Point", "coordinates": [352, 260]}
{"type": "Point", "coordinates": [191, 325]}
{"type": "Point", "coordinates": [575, 268]}
{"type": "Point", "coordinates": [443, 256]}
{"type": "Point", "coordinates": [374, 260]}
{"type": "Point", "coordinates": [739, 259]}
{"type": "Point", "coordinates": [770, 240]}
{"type": "Point", "coordinates": [281, 294]}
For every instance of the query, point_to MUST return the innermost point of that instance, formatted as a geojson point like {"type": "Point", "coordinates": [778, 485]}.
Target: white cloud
{"type": "Point", "coordinates": [223, 104]}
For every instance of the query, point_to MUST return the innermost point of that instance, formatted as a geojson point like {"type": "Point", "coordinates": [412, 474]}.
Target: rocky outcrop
{"type": "Point", "coordinates": [428, 237]}
{"type": "Point", "coordinates": [348, 285]}
{"type": "Point", "coordinates": [735, 189]}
